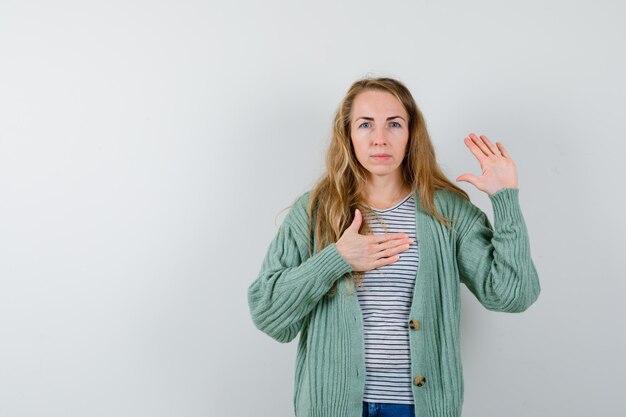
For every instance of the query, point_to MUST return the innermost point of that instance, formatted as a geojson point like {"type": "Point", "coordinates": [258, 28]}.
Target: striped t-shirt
{"type": "Point", "coordinates": [385, 296]}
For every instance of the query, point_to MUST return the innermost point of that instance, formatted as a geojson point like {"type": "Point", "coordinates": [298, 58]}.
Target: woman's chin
{"type": "Point", "coordinates": [377, 172]}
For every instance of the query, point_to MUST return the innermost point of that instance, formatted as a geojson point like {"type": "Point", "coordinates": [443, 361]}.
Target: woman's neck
{"type": "Point", "coordinates": [382, 193]}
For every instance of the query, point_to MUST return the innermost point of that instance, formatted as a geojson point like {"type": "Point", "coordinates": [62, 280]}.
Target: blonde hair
{"type": "Point", "coordinates": [340, 190]}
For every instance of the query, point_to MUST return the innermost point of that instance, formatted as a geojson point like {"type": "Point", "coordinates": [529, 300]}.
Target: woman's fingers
{"type": "Point", "coordinates": [387, 237]}
{"type": "Point", "coordinates": [480, 144]}
{"type": "Point", "coordinates": [400, 240]}
{"type": "Point", "coordinates": [365, 252]}
{"type": "Point", "coordinates": [385, 261]}
{"type": "Point", "coordinates": [485, 145]}
{"type": "Point", "coordinates": [498, 169]}
{"type": "Point", "coordinates": [475, 149]}
{"type": "Point", "coordinates": [394, 250]}
{"type": "Point", "coordinates": [502, 150]}
{"type": "Point", "coordinates": [393, 247]}
{"type": "Point", "coordinates": [493, 148]}
{"type": "Point", "coordinates": [386, 252]}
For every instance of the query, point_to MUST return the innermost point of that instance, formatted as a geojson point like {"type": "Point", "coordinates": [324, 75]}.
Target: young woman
{"type": "Point", "coordinates": [366, 266]}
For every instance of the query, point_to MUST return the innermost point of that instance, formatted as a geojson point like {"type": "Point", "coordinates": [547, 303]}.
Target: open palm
{"type": "Point", "coordinates": [498, 168]}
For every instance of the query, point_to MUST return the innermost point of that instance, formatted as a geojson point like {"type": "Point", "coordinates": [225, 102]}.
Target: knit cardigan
{"type": "Point", "coordinates": [290, 297]}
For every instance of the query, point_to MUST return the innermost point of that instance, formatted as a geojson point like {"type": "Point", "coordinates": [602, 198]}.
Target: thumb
{"type": "Point", "coordinates": [356, 222]}
{"type": "Point", "coordinates": [471, 178]}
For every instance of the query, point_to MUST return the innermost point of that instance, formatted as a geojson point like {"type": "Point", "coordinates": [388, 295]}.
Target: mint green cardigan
{"type": "Point", "coordinates": [289, 298]}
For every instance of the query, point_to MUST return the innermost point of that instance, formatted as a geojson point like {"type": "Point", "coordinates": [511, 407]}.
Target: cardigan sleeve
{"type": "Point", "coordinates": [495, 262]}
{"type": "Point", "coordinates": [288, 287]}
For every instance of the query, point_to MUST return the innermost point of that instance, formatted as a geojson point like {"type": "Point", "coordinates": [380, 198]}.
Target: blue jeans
{"type": "Point", "coordinates": [388, 410]}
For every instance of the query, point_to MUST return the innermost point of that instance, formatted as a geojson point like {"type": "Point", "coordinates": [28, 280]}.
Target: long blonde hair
{"type": "Point", "coordinates": [340, 190]}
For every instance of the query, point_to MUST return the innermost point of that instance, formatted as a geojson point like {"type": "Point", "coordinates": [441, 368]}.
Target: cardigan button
{"type": "Point", "coordinates": [414, 324]}
{"type": "Point", "coordinates": [419, 380]}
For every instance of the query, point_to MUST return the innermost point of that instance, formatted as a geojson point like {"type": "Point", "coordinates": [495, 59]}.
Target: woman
{"type": "Point", "coordinates": [366, 266]}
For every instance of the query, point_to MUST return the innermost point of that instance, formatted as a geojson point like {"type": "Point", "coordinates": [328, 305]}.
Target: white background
{"type": "Point", "coordinates": [148, 150]}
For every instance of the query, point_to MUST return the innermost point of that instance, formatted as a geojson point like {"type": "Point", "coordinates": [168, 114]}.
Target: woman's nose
{"type": "Point", "coordinates": [380, 136]}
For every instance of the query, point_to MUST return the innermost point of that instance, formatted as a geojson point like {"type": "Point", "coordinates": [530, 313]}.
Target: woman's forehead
{"type": "Point", "coordinates": [370, 103]}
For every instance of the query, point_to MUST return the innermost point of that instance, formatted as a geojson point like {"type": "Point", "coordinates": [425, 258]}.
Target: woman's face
{"type": "Point", "coordinates": [379, 132]}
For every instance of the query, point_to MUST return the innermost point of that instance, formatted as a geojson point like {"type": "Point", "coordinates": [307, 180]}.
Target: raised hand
{"type": "Point", "coordinates": [498, 168]}
{"type": "Point", "coordinates": [365, 252]}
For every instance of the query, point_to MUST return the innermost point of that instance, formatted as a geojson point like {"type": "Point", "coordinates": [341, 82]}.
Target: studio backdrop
{"type": "Point", "coordinates": [149, 152]}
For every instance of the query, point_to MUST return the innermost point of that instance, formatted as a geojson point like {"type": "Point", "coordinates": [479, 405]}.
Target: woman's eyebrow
{"type": "Point", "coordinates": [388, 118]}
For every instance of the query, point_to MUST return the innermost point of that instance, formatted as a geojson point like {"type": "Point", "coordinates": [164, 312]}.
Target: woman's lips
{"type": "Point", "coordinates": [381, 157]}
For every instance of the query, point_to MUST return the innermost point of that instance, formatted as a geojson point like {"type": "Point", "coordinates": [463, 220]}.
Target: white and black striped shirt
{"type": "Point", "coordinates": [385, 296]}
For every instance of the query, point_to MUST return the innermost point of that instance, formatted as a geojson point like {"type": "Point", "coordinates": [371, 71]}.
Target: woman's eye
{"type": "Point", "coordinates": [364, 124]}
{"type": "Point", "coordinates": [395, 124]}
